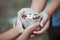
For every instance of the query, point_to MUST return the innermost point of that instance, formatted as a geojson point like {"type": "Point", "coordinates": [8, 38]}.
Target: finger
{"type": "Point", "coordinates": [15, 23]}
{"type": "Point", "coordinates": [38, 28]}
{"type": "Point", "coordinates": [35, 26]}
{"type": "Point", "coordinates": [44, 20]}
{"type": "Point", "coordinates": [33, 36]}
{"type": "Point", "coordinates": [32, 27]}
{"type": "Point", "coordinates": [43, 29]}
{"type": "Point", "coordinates": [19, 24]}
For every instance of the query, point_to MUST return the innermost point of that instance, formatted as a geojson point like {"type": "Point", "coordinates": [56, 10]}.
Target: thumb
{"type": "Point", "coordinates": [35, 25]}
{"type": "Point", "coordinates": [44, 20]}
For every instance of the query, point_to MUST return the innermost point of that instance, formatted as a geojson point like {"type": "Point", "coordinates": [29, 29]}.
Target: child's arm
{"type": "Point", "coordinates": [10, 34]}
{"type": "Point", "coordinates": [13, 32]}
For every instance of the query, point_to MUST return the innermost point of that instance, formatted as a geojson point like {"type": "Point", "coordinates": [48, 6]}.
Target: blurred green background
{"type": "Point", "coordinates": [8, 12]}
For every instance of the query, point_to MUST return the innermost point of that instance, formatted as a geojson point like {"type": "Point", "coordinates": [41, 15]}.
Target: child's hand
{"type": "Point", "coordinates": [33, 27]}
{"type": "Point", "coordinates": [18, 24]}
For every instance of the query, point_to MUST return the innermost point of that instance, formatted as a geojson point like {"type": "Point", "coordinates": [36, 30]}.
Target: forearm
{"type": "Point", "coordinates": [38, 5]}
{"type": "Point", "coordinates": [12, 33]}
{"type": "Point", "coordinates": [24, 36]}
{"type": "Point", "coordinates": [52, 7]}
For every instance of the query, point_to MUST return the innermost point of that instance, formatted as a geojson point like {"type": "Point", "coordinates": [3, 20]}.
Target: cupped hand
{"type": "Point", "coordinates": [44, 23]}
{"type": "Point", "coordinates": [19, 25]}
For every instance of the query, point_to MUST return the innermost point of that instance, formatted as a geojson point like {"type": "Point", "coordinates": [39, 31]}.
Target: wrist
{"type": "Point", "coordinates": [17, 29]}
{"type": "Point", "coordinates": [35, 10]}
{"type": "Point", "coordinates": [46, 14]}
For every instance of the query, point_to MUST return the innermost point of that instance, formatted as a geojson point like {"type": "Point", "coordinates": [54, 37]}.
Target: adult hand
{"type": "Point", "coordinates": [44, 23]}
{"type": "Point", "coordinates": [45, 18]}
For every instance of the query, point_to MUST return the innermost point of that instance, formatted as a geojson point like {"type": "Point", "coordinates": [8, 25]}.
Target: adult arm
{"type": "Point", "coordinates": [47, 13]}
{"type": "Point", "coordinates": [38, 5]}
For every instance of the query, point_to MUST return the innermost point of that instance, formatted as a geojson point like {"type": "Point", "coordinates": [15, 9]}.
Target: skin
{"type": "Point", "coordinates": [12, 33]}
{"type": "Point", "coordinates": [38, 5]}
{"type": "Point", "coordinates": [49, 9]}
{"type": "Point", "coordinates": [25, 35]}
{"type": "Point", "coordinates": [15, 31]}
